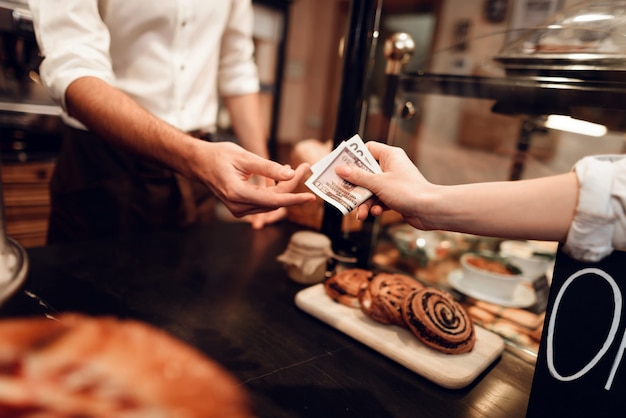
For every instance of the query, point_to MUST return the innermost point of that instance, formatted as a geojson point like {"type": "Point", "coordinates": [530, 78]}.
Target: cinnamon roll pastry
{"type": "Point", "coordinates": [382, 299]}
{"type": "Point", "coordinates": [439, 321]}
{"type": "Point", "coordinates": [344, 286]}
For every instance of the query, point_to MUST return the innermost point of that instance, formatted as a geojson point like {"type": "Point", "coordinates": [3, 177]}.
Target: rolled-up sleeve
{"type": "Point", "coordinates": [237, 70]}
{"type": "Point", "coordinates": [74, 43]}
{"type": "Point", "coordinates": [599, 224]}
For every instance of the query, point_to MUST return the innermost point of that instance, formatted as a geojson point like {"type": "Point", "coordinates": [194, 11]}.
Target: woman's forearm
{"type": "Point", "coordinates": [540, 209]}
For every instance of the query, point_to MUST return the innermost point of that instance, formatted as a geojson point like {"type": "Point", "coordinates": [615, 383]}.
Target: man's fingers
{"type": "Point", "coordinates": [254, 199]}
{"type": "Point", "coordinates": [259, 220]}
{"type": "Point", "coordinates": [291, 184]}
{"type": "Point", "coordinates": [270, 169]}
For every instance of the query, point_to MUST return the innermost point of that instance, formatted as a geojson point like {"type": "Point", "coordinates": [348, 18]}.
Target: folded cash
{"type": "Point", "coordinates": [326, 184]}
{"type": "Point", "coordinates": [356, 145]}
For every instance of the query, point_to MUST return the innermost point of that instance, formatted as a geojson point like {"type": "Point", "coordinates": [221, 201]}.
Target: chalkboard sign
{"type": "Point", "coordinates": [581, 369]}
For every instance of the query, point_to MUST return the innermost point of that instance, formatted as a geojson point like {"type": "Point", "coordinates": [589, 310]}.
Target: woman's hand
{"type": "Point", "coordinates": [540, 209]}
{"type": "Point", "coordinates": [400, 187]}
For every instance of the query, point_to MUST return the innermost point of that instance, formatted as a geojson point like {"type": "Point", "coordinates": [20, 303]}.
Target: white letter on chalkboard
{"type": "Point", "coordinates": [617, 298]}
{"type": "Point", "coordinates": [618, 358]}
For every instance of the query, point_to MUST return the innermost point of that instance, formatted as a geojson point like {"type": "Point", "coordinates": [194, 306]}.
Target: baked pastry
{"type": "Point", "coordinates": [439, 321]}
{"type": "Point", "coordinates": [105, 367]}
{"type": "Point", "coordinates": [344, 286]}
{"type": "Point", "coordinates": [382, 299]}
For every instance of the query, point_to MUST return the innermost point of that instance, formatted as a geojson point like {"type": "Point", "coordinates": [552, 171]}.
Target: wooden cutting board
{"type": "Point", "coordinates": [453, 371]}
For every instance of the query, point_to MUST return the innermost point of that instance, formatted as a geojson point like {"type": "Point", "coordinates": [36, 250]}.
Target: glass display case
{"type": "Point", "coordinates": [497, 118]}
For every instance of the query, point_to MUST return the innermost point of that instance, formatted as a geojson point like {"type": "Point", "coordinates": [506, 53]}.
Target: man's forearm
{"type": "Point", "coordinates": [245, 114]}
{"type": "Point", "coordinates": [117, 118]}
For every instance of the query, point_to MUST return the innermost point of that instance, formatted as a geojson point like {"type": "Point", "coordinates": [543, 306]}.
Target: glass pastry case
{"type": "Point", "coordinates": [491, 117]}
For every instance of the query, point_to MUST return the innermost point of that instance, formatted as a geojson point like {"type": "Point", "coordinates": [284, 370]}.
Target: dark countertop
{"type": "Point", "coordinates": [220, 289]}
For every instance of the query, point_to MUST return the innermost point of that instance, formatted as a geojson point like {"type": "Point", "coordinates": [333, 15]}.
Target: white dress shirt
{"type": "Point", "coordinates": [174, 57]}
{"type": "Point", "coordinates": [599, 225]}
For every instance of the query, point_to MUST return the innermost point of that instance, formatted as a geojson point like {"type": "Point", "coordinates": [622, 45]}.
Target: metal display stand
{"type": "Point", "coordinates": [357, 51]}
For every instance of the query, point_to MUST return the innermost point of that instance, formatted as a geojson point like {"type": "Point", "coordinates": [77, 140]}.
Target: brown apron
{"type": "Point", "coordinates": [100, 191]}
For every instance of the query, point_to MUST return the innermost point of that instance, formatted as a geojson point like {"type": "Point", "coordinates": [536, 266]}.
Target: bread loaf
{"type": "Point", "coordinates": [106, 367]}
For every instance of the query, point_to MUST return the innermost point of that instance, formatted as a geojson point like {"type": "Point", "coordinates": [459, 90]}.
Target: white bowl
{"type": "Point", "coordinates": [498, 285]}
{"type": "Point", "coordinates": [524, 255]}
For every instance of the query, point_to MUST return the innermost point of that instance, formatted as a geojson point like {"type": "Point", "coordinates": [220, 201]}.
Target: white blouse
{"type": "Point", "coordinates": [174, 57]}
{"type": "Point", "coordinates": [599, 225]}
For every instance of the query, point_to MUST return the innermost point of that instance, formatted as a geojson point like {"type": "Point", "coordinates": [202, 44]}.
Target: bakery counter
{"type": "Point", "coordinates": [220, 289]}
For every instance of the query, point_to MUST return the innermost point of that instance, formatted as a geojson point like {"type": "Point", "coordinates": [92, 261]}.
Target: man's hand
{"type": "Point", "coordinates": [226, 169]}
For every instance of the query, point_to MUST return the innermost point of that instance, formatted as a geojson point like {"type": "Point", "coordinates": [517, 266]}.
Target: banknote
{"type": "Point", "coordinates": [357, 146]}
{"type": "Point", "coordinates": [326, 184]}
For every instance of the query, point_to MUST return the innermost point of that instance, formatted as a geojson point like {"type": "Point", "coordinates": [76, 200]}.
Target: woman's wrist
{"type": "Point", "coordinates": [427, 207]}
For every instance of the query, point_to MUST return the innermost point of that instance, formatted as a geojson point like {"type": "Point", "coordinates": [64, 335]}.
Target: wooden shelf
{"type": "Point", "coordinates": [27, 201]}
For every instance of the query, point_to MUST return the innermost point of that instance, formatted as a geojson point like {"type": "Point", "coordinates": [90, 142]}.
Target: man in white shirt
{"type": "Point", "coordinates": [134, 79]}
